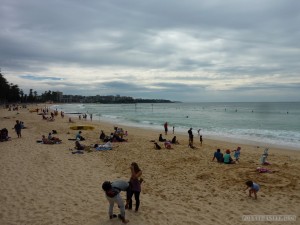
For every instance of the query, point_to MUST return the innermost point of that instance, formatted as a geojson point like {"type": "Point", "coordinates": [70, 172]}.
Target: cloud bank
{"type": "Point", "coordinates": [191, 50]}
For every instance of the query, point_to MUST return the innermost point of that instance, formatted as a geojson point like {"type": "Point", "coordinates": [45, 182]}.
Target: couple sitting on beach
{"type": "Point", "coordinates": [112, 138]}
{"type": "Point", "coordinates": [173, 141]}
{"type": "Point", "coordinates": [50, 140]}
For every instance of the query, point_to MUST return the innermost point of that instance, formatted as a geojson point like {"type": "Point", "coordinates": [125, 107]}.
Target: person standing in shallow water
{"type": "Point", "coordinates": [166, 127]}
{"type": "Point", "coordinates": [191, 137]}
{"type": "Point", "coordinates": [134, 187]}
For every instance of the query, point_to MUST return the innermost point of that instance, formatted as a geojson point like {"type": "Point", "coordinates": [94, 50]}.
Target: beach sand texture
{"type": "Point", "coordinates": [46, 184]}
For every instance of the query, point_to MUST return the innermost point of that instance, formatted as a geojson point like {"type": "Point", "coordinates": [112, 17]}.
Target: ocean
{"type": "Point", "coordinates": [268, 124]}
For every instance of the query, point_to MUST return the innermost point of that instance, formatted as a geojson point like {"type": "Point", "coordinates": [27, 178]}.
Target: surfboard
{"type": "Point", "coordinates": [82, 127]}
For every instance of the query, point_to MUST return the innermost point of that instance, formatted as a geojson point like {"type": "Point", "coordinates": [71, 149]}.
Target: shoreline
{"type": "Point", "coordinates": [46, 184]}
{"type": "Point", "coordinates": [271, 143]}
{"type": "Point", "coordinates": [258, 144]}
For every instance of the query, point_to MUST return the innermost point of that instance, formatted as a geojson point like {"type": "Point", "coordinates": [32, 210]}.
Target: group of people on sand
{"type": "Point", "coordinates": [167, 143]}
{"type": "Point", "coordinates": [226, 158]}
{"type": "Point", "coordinates": [116, 136]}
{"type": "Point", "coordinates": [132, 188]}
{"type": "Point", "coordinates": [252, 187]}
{"type": "Point", "coordinates": [50, 139]}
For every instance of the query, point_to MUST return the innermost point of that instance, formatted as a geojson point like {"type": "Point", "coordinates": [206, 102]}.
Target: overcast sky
{"type": "Point", "coordinates": [185, 50]}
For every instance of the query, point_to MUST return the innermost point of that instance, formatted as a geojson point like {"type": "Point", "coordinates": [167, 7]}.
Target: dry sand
{"type": "Point", "coordinates": [46, 184]}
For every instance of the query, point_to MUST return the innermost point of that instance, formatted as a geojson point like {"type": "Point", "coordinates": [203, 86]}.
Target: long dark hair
{"type": "Point", "coordinates": [136, 167]}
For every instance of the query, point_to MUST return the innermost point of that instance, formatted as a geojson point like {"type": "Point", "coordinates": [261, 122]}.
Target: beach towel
{"type": "Point", "coordinates": [103, 148]}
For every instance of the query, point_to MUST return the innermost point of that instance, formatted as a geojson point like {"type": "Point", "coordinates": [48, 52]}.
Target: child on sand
{"type": "Point", "coordinates": [253, 188]}
{"type": "Point", "coordinates": [237, 153]}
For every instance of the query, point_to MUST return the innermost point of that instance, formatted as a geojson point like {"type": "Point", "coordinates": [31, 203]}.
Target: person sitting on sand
{"type": "Point", "coordinates": [168, 145]}
{"type": "Point", "coordinates": [4, 135]}
{"type": "Point", "coordinates": [118, 138]}
{"type": "Point", "coordinates": [227, 158]}
{"type": "Point", "coordinates": [174, 140]}
{"type": "Point", "coordinates": [112, 192]}
{"type": "Point", "coordinates": [156, 146]}
{"type": "Point", "coordinates": [218, 155]}
{"type": "Point", "coordinates": [79, 146]}
{"type": "Point", "coordinates": [79, 137]}
{"type": "Point", "coordinates": [50, 137]}
{"type": "Point", "coordinates": [102, 135]}
{"type": "Point", "coordinates": [253, 188]}
{"type": "Point", "coordinates": [47, 141]}
{"type": "Point", "coordinates": [161, 139]}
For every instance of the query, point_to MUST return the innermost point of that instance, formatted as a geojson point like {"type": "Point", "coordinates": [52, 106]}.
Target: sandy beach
{"type": "Point", "coordinates": [46, 184]}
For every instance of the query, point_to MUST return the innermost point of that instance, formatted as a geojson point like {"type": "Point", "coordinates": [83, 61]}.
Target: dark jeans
{"type": "Point", "coordinates": [136, 194]}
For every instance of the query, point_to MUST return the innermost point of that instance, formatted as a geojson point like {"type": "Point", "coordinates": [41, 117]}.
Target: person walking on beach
{"type": "Point", "coordinates": [253, 188]}
{"type": "Point", "coordinates": [166, 127]}
{"type": "Point", "coordinates": [18, 128]}
{"type": "Point", "coordinates": [134, 186]}
{"type": "Point", "coordinates": [201, 140]}
{"type": "Point", "coordinates": [112, 192]}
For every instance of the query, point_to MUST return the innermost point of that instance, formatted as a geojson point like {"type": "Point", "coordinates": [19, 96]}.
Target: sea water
{"type": "Point", "coordinates": [267, 124]}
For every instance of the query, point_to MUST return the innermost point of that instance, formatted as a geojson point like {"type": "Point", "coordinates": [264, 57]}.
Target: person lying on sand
{"type": "Point", "coordinates": [47, 141]}
{"type": "Point", "coordinates": [168, 145]}
{"type": "Point", "coordinates": [106, 146]}
{"type": "Point", "coordinates": [265, 170]}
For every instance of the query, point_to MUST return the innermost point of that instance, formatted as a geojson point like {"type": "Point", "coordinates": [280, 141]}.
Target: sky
{"type": "Point", "coordinates": [190, 51]}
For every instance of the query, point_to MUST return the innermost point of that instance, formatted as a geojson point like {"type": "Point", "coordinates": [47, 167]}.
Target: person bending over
{"type": "Point", "coordinates": [112, 192]}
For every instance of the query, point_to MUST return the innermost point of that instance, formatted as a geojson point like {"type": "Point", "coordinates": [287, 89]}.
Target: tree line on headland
{"type": "Point", "coordinates": [11, 93]}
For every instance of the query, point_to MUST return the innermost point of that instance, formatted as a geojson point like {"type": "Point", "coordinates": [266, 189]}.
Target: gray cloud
{"type": "Point", "coordinates": [170, 49]}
